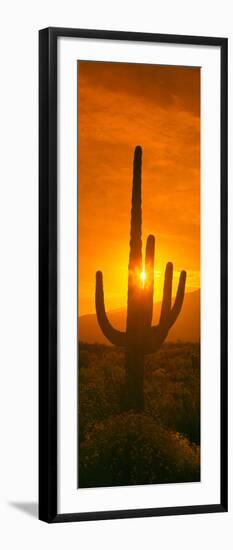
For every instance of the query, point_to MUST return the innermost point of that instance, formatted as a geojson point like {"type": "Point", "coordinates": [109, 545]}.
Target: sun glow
{"type": "Point", "coordinates": [143, 277]}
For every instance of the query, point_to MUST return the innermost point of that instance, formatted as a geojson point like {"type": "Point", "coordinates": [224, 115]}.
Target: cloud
{"type": "Point", "coordinates": [121, 106]}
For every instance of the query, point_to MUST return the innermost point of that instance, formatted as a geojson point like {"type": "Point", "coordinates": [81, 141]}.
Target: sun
{"type": "Point", "coordinates": [143, 277]}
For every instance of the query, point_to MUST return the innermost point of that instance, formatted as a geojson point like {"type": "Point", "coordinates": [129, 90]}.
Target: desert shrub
{"type": "Point", "coordinates": [84, 359]}
{"type": "Point", "coordinates": [172, 390]}
{"type": "Point", "coordinates": [159, 446]}
{"type": "Point", "coordinates": [100, 389]}
{"type": "Point", "coordinates": [132, 448]}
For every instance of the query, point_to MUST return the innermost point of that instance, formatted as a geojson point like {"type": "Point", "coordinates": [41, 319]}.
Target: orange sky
{"type": "Point", "coordinates": [121, 106]}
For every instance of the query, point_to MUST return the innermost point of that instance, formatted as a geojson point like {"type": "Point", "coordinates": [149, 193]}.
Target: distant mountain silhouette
{"type": "Point", "coordinates": [186, 328]}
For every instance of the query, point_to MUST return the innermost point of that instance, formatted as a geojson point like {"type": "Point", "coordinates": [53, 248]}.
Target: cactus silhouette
{"type": "Point", "coordinates": [140, 337]}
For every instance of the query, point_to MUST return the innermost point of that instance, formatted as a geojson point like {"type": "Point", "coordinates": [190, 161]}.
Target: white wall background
{"type": "Point", "coordinates": [20, 22]}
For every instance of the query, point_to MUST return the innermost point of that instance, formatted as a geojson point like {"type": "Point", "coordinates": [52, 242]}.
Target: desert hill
{"type": "Point", "coordinates": [186, 328]}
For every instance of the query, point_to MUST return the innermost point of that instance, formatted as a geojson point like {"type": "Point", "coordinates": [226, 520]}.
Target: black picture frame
{"type": "Point", "coordinates": [48, 274]}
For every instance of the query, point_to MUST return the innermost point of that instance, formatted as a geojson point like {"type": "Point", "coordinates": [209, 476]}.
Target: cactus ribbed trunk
{"type": "Point", "coordinates": [134, 356]}
{"type": "Point", "coordinates": [134, 378]}
{"type": "Point", "coordinates": [140, 337]}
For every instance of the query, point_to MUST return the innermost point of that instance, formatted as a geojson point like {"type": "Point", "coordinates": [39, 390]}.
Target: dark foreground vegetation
{"type": "Point", "coordinates": [160, 445]}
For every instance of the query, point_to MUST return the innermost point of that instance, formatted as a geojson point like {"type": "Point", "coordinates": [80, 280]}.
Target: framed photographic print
{"type": "Point", "coordinates": [133, 275]}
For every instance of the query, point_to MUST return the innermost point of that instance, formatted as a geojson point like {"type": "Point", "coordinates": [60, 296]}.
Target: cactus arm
{"type": "Point", "coordinates": [149, 261]}
{"type": "Point", "coordinates": [154, 338]}
{"type": "Point", "coordinates": [157, 334]}
{"type": "Point", "coordinates": [149, 283]}
{"type": "Point", "coordinates": [116, 337]}
{"type": "Point", "coordinates": [167, 294]}
{"type": "Point", "coordinates": [179, 298]}
{"type": "Point", "coordinates": [169, 314]}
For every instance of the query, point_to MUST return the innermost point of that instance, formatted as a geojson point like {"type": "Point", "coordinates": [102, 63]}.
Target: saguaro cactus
{"type": "Point", "coordinates": [140, 337]}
